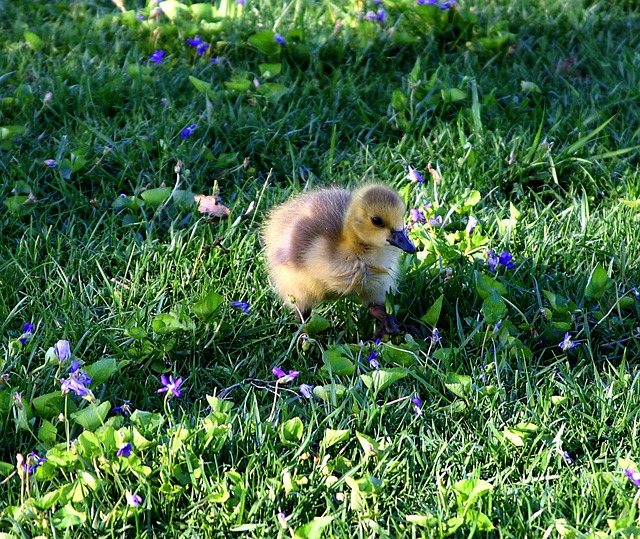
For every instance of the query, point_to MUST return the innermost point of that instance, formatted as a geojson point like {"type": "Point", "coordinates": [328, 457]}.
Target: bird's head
{"type": "Point", "coordinates": [376, 218]}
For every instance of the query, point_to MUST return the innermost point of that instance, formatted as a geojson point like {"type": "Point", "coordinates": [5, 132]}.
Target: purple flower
{"type": "Point", "coordinates": [567, 457]}
{"type": "Point", "coordinates": [124, 409]}
{"type": "Point", "coordinates": [306, 390]}
{"type": "Point", "coordinates": [188, 130]}
{"type": "Point", "coordinates": [215, 61]}
{"type": "Point", "coordinates": [124, 451]}
{"type": "Point", "coordinates": [242, 305]}
{"type": "Point", "coordinates": [435, 336]}
{"type": "Point", "coordinates": [633, 476]}
{"type": "Point", "coordinates": [567, 344]}
{"type": "Point", "coordinates": [240, 2]}
{"type": "Point", "coordinates": [472, 223]}
{"type": "Point", "coordinates": [33, 462]}
{"type": "Point", "coordinates": [370, 16]}
{"type": "Point", "coordinates": [157, 56]}
{"type": "Point", "coordinates": [417, 215]}
{"type": "Point", "coordinates": [170, 386]}
{"type": "Point", "coordinates": [77, 382]}
{"type": "Point", "coordinates": [636, 293]}
{"type": "Point", "coordinates": [381, 15]}
{"type": "Point", "coordinates": [436, 221]}
{"type": "Point", "coordinates": [51, 163]}
{"type": "Point", "coordinates": [373, 360]}
{"type": "Point", "coordinates": [504, 259]}
{"type": "Point", "coordinates": [447, 5]}
{"type": "Point", "coordinates": [413, 175]}
{"type": "Point", "coordinates": [27, 333]}
{"type": "Point", "coordinates": [280, 40]}
{"type": "Point", "coordinates": [283, 377]}
{"type": "Point", "coordinates": [201, 46]}
{"type": "Point", "coordinates": [417, 405]}
{"type": "Point", "coordinates": [141, 17]}
{"type": "Point", "coordinates": [134, 500]}
{"type": "Point", "coordinates": [63, 350]}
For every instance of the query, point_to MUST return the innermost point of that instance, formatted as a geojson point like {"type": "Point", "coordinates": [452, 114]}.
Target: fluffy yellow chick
{"type": "Point", "coordinates": [333, 243]}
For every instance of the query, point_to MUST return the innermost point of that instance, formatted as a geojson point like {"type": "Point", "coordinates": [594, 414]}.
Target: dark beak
{"type": "Point", "coordinates": [399, 239]}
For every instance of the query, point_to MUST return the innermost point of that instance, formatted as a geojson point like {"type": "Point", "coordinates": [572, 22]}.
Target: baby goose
{"type": "Point", "coordinates": [332, 243]}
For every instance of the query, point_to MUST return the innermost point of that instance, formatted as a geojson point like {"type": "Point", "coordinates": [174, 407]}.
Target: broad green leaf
{"type": "Point", "coordinates": [327, 392]}
{"type": "Point", "coordinates": [201, 85]}
{"type": "Point", "coordinates": [165, 323]}
{"type": "Point", "coordinates": [238, 85]}
{"type": "Point", "coordinates": [469, 490]}
{"type": "Point", "coordinates": [10, 131]}
{"type": "Point", "coordinates": [93, 416]}
{"type": "Point", "coordinates": [558, 400]}
{"type": "Point", "coordinates": [426, 521]}
{"type": "Point", "coordinates": [633, 204]}
{"type": "Point", "coordinates": [172, 9]}
{"type": "Point", "coordinates": [149, 422]}
{"type": "Point", "coordinates": [272, 91]}
{"type": "Point", "coordinates": [494, 308]}
{"type": "Point", "coordinates": [47, 433]}
{"type": "Point", "coordinates": [291, 431]}
{"type": "Point", "coordinates": [458, 384]}
{"type": "Point", "coordinates": [68, 517]}
{"type": "Point", "coordinates": [558, 303]}
{"type": "Point", "coordinates": [270, 70]}
{"type": "Point", "coordinates": [208, 305]}
{"type": "Point", "coordinates": [20, 205]}
{"type": "Point", "coordinates": [202, 11]}
{"type": "Point", "coordinates": [52, 404]}
{"type": "Point", "coordinates": [382, 378]}
{"type": "Point", "coordinates": [136, 333]}
{"type": "Point", "coordinates": [101, 370]}
{"type": "Point", "coordinates": [219, 405]}
{"type": "Point", "coordinates": [89, 445]}
{"type": "Point", "coordinates": [433, 313]}
{"type": "Point", "coordinates": [313, 529]}
{"type": "Point", "coordinates": [337, 363]}
{"type": "Point", "coordinates": [6, 469]}
{"type": "Point", "coordinates": [333, 437]}
{"type": "Point", "coordinates": [157, 196]}
{"type": "Point", "coordinates": [316, 324]}
{"type": "Point", "coordinates": [486, 285]}
{"type": "Point", "coordinates": [370, 446]}
{"type": "Point", "coordinates": [126, 202]}
{"type": "Point", "coordinates": [452, 95]}
{"type": "Point", "coordinates": [33, 40]}
{"type": "Point", "coordinates": [265, 42]}
{"type": "Point", "coordinates": [477, 519]}
{"type": "Point", "coordinates": [599, 282]}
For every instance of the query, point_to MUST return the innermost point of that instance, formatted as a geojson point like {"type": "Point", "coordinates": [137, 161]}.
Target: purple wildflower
{"type": "Point", "coordinates": [417, 215]}
{"type": "Point", "coordinates": [370, 16]}
{"type": "Point", "coordinates": [141, 17]}
{"type": "Point", "coordinates": [77, 382]}
{"type": "Point", "coordinates": [435, 336]}
{"type": "Point", "coordinates": [134, 500]}
{"type": "Point", "coordinates": [373, 360]}
{"type": "Point", "coordinates": [240, 2]}
{"type": "Point", "coordinates": [188, 130]}
{"type": "Point", "coordinates": [413, 175]}
{"type": "Point", "coordinates": [436, 221]}
{"type": "Point", "coordinates": [567, 457]}
{"type": "Point", "coordinates": [280, 40]}
{"type": "Point", "coordinates": [124, 451]}
{"type": "Point", "coordinates": [63, 350]}
{"type": "Point", "coordinates": [215, 61]}
{"type": "Point", "coordinates": [504, 259]}
{"type": "Point", "coordinates": [417, 405]}
{"type": "Point", "coordinates": [381, 15]}
{"type": "Point", "coordinates": [200, 46]}
{"type": "Point", "coordinates": [447, 5]}
{"type": "Point", "coordinates": [306, 390]}
{"type": "Point", "coordinates": [157, 56]}
{"type": "Point", "coordinates": [472, 223]}
{"type": "Point", "coordinates": [242, 305]}
{"type": "Point", "coordinates": [124, 409]}
{"type": "Point", "coordinates": [170, 386]}
{"type": "Point", "coordinates": [567, 344]}
{"type": "Point", "coordinates": [633, 476]}
{"type": "Point", "coordinates": [283, 377]}
{"type": "Point", "coordinates": [51, 163]}
{"type": "Point", "coordinates": [27, 333]}
{"type": "Point", "coordinates": [33, 462]}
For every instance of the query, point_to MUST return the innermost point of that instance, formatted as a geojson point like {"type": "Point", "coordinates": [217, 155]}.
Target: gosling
{"type": "Point", "coordinates": [336, 243]}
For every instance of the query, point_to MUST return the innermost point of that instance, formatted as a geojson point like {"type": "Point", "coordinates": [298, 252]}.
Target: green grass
{"type": "Point", "coordinates": [529, 114]}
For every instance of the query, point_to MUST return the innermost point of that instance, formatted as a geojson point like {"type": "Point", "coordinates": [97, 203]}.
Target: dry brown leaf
{"type": "Point", "coordinates": [208, 205]}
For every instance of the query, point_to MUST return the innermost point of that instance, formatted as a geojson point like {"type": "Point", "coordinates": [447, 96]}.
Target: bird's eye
{"type": "Point", "coordinates": [377, 221]}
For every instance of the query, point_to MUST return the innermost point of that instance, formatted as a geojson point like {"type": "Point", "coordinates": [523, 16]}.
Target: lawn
{"type": "Point", "coordinates": [151, 383]}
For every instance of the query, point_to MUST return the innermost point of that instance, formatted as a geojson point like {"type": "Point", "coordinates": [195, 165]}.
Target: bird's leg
{"type": "Point", "coordinates": [389, 322]}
